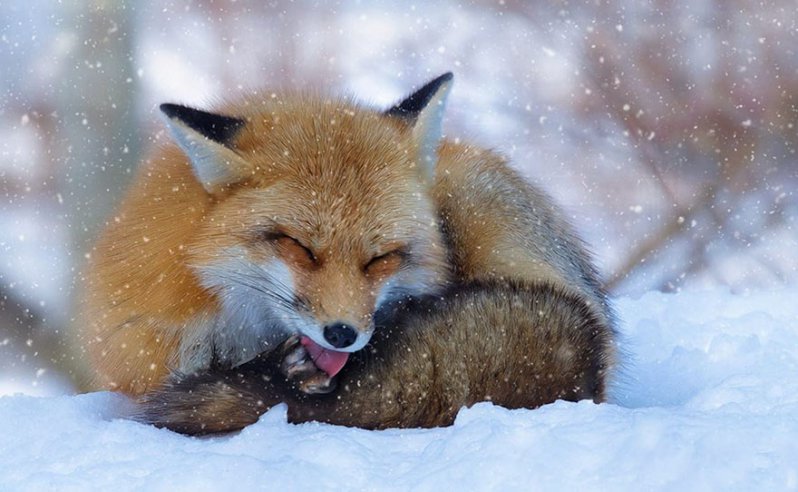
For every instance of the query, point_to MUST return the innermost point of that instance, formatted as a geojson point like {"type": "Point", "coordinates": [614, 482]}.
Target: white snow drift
{"type": "Point", "coordinates": [708, 400]}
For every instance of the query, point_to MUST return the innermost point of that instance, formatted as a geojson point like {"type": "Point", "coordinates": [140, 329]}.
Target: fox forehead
{"type": "Point", "coordinates": [332, 140]}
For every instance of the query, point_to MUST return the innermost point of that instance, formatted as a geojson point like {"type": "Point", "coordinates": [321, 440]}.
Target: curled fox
{"type": "Point", "coordinates": [305, 216]}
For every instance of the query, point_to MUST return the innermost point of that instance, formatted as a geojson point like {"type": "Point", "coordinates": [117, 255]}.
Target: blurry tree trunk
{"type": "Point", "coordinates": [18, 327]}
{"type": "Point", "coordinates": [97, 126]}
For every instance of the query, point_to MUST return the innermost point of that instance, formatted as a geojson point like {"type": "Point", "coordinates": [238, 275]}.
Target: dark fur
{"type": "Point", "coordinates": [411, 106]}
{"type": "Point", "coordinates": [216, 127]}
{"type": "Point", "coordinates": [519, 346]}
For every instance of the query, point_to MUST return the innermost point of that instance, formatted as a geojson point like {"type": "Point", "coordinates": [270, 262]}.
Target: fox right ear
{"type": "Point", "coordinates": [423, 110]}
{"type": "Point", "coordinates": [206, 139]}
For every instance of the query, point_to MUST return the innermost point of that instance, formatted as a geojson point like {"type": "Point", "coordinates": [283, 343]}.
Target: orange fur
{"type": "Point", "coordinates": [345, 184]}
{"type": "Point", "coordinates": [339, 179]}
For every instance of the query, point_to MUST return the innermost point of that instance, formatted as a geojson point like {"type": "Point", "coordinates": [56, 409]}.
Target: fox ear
{"type": "Point", "coordinates": [424, 111]}
{"type": "Point", "coordinates": [205, 138]}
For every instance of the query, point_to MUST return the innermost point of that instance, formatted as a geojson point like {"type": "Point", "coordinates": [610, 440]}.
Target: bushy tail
{"type": "Point", "coordinates": [213, 401]}
{"type": "Point", "coordinates": [518, 345]}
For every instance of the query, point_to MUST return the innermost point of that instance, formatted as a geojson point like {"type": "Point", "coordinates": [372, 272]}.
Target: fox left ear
{"type": "Point", "coordinates": [424, 111]}
{"type": "Point", "coordinates": [206, 139]}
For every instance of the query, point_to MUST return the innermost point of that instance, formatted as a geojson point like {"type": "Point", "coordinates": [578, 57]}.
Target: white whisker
{"type": "Point", "coordinates": [259, 309]}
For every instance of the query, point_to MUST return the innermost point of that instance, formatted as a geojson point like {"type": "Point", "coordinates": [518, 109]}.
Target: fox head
{"type": "Point", "coordinates": [319, 211]}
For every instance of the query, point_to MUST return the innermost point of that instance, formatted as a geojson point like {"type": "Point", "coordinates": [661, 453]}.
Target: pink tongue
{"type": "Point", "coordinates": [328, 361]}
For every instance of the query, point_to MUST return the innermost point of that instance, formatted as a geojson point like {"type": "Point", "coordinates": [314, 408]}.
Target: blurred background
{"type": "Point", "coordinates": [667, 129]}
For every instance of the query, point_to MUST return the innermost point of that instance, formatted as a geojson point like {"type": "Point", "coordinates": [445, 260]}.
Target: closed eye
{"type": "Point", "coordinates": [385, 263]}
{"type": "Point", "coordinates": [292, 245]}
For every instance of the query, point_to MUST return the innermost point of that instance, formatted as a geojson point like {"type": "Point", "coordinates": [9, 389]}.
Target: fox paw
{"type": "Point", "coordinates": [299, 369]}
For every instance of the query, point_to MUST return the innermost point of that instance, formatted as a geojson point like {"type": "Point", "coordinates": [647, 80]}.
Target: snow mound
{"type": "Point", "coordinates": [708, 400]}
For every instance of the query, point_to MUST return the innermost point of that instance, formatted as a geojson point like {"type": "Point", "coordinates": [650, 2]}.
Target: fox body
{"type": "Point", "coordinates": [305, 215]}
{"type": "Point", "coordinates": [517, 345]}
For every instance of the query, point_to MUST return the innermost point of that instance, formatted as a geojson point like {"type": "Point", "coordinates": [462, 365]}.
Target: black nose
{"type": "Point", "coordinates": [340, 335]}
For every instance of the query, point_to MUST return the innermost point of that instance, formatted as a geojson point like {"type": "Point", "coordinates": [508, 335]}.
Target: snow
{"type": "Point", "coordinates": [708, 400]}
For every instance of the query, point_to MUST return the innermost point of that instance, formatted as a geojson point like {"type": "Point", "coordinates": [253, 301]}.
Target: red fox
{"type": "Point", "coordinates": [517, 345]}
{"type": "Point", "coordinates": [300, 214]}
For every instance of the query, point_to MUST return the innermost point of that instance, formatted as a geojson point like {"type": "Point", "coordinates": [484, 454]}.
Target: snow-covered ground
{"type": "Point", "coordinates": [708, 401]}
